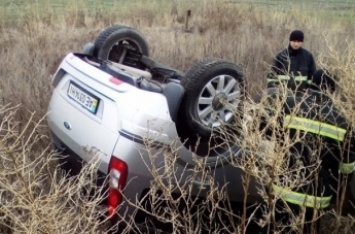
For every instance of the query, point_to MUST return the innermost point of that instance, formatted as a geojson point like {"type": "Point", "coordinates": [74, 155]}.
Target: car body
{"type": "Point", "coordinates": [118, 123]}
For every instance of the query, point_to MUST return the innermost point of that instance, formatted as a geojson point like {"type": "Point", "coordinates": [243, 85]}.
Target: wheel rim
{"type": "Point", "coordinates": [217, 101]}
{"type": "Point", "coordinates": [118, 51]}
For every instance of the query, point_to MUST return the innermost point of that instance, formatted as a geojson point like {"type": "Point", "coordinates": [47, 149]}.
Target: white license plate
{"type": "Point", "coordinates": [83, 97]}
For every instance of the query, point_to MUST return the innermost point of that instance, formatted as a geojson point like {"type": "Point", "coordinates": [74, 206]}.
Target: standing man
{"type": "Point", "coordinates": [293, 65]}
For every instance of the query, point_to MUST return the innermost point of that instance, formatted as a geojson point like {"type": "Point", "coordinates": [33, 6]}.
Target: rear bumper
{"type": "Point", "coordinates": [73, 163]}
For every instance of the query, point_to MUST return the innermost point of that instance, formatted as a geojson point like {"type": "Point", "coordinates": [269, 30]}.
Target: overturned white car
{"type": "Point", "coordinates": [114, 100]}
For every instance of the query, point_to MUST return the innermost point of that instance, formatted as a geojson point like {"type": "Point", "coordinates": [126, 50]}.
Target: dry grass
{"type": "Point", "coordinates": [34, 196]}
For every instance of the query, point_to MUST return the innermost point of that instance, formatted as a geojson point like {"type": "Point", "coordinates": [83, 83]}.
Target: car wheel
{"type": "Point", "coordinates": [112, 44]}
{"type": "Point", "coordinates": [214, 90]}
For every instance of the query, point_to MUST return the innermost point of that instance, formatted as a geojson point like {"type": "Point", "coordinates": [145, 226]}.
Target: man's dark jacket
{"type": "Point", "coordinates": [294, 63]}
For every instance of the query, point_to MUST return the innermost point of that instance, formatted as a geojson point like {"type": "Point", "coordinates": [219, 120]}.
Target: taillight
{"type": "Point", "coordinates": [118, 171]}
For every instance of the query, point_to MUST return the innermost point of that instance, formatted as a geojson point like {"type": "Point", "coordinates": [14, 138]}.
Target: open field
{"type": "Point", "coordinates": [35, 35]}
{"type": "Point", "coordinates": [330, 10]}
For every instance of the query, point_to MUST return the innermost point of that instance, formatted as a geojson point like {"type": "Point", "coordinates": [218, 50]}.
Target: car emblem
{"type": "Point", "coordinates": [67, 125]}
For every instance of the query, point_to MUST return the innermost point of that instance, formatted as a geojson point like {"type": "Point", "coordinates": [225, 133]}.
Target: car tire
{"type": "Point", "coordinates": [108, 45]}
{"type": "Point", "coordinates": [214, 91]}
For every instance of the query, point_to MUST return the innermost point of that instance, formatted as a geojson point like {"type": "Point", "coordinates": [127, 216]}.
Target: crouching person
{"type": "Point", "coordinates": [318, 158]}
